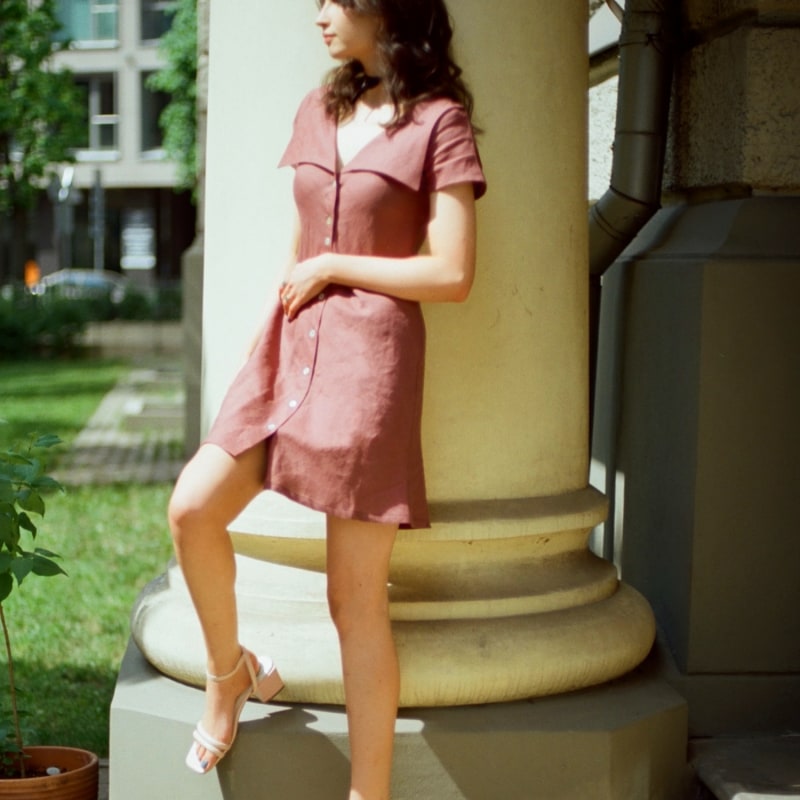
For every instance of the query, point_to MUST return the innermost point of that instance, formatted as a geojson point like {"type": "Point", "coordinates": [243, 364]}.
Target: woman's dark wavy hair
{"type": "Point", "coordinates": [414, 42]}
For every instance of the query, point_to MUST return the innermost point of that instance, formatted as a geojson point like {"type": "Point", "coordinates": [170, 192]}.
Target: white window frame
{"type": "Point", "coordinates": [99, 120]}
{"type": "Point", "coordinates": [96, 9]}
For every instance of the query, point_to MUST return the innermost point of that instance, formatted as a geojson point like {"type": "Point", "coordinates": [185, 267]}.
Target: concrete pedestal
{"type": "Point", "coordinates": [697, 425]}
{"type": "Point", "coordinates": [623, 741]}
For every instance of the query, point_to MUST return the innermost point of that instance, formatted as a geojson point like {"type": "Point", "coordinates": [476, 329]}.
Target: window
{"type": "Point", "coordinates": [156, 18]}
{"type": "Point", "coordinates": [101, 118]}
{"type": "Point", "coordinates": [93, 21]}
{"type": "Point", "coordinates": [153, 103]}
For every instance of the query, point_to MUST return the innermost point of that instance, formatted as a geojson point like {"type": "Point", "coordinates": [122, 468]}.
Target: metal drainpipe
{"type": "Point", "coordinates": [645, 76]}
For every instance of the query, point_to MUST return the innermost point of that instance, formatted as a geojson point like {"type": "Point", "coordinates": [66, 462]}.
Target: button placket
{"type": "Point", "coordinates": [304, 358]}
{"type": "Point", "coordinates": [331, 215]}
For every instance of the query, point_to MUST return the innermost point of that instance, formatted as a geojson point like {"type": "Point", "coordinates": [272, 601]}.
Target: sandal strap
{"type": "Point", "coordinates": [251, 671]}
{"type": "Point", "coordinates": [221, 678]}
{"type": "Point", "coordinates": [204, 739]}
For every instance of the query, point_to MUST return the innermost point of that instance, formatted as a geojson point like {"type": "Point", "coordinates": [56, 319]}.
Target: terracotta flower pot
{"type": "Point", "coordinates": [77, 780]}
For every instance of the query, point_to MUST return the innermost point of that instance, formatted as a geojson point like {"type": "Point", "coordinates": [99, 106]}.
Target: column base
{"type": "Point", "coordinates": [500, 603]}
{"type": "Point", "coordinates": [445, 662]}
{"type": "Point", "coordinates": [623, 741]}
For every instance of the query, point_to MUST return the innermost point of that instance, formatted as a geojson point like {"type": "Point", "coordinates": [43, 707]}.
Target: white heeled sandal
{"type": "Point", "coordinates": [264, 685]}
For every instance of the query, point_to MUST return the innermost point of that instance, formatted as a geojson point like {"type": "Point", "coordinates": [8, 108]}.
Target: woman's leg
{"type": "Point", "coordinates": [358, 574]}
{"type": "Point", "coordinates": [212, 489]}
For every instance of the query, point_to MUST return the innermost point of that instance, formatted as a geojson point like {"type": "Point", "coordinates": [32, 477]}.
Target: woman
{"type": "Point", "coordinates": [327, 408]}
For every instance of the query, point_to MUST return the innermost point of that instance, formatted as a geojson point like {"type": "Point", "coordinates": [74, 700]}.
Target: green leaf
{"type": "Point", "coordinates": [5, 562]}
{"type": "Point", "coordinates": [6, 585]}
{"type": "Point", "coordinates": [31, 501]}
{"type": "Point", "coordinates": [7, 518]}
{"type": "Point", "coordinates": [21, 567]}
{"type": "Point", "coordinates": [32, 470]}
{"type": "Point", "coordinates": [15, 458]}
{"type": "Point", "coordinates": [26, 523]}
{"type": "Point", "coordinates": [43, 552]}
{"type": "Point", "coordinates": [48, 440]}
{"type": "Point", "coordinates": [46, 567]}
{"type": "Point", "coordinates": [47, 483]}
{"type": "Point", "coordinates": [9, 530]}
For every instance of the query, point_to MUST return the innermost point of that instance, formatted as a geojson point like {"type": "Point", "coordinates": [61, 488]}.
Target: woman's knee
{"type": "Point", "coordinates": [191, 502]}
{"type": "Point", "coordinates": [186, 508]}
{"type": "Point", "coordinates": [212, 489]}
{"type": "Point", "coordinates": [354, 604]}
{"type": "Point", "coordinates": [358, 573]}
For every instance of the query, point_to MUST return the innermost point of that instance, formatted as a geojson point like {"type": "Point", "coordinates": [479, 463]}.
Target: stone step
{"type": "Point", "coordinates": [756, 768]}
{"type": "Point", "coordinates": [622, 741]}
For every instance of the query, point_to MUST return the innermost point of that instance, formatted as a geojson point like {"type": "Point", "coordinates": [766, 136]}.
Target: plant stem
{"type": "Point", "coordinates": [13, 687]}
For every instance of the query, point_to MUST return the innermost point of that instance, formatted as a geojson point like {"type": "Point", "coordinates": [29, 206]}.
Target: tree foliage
{"type": "Point", "coordinates": [41, 115]}
{"type": "Point", "coordinates": [179, 79]}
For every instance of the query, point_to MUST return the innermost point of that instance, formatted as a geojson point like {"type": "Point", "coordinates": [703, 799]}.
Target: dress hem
{"type": "Point", "coordinates": [404, 524]}
{"type": "Point", "coordinates": [361, 517]}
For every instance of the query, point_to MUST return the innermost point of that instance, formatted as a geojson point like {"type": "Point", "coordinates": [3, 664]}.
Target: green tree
{"type": "Point", "coordinates": [179, 79]}
{"type": "Point", "coordinates": [41, 118]}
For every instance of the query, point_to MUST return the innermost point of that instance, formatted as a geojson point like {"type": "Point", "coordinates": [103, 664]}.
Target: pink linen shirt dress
{"type": "Point", "coordinates": [336, 392]}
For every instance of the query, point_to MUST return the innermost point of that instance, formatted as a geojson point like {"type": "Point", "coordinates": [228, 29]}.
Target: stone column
{"type": "Point", "coordinates": [192, 259]}
{"type": "Point", "coordinates": [701, 338]}
{"type": "Point", "coordinates": [501, 599]}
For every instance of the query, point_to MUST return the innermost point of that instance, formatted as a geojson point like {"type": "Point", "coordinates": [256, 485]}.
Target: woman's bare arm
{"type": "Point", "coordinates": [444, 274]}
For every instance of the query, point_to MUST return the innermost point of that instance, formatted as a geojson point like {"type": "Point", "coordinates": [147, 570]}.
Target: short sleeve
{"type": "Point", "coordinates": [452, 154]}
{"type": "Point", "coordinates": [310, 134]}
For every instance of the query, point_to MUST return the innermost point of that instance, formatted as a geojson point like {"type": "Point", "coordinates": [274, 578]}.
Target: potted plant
{"type": "Point", "coordinates": [32, 772]}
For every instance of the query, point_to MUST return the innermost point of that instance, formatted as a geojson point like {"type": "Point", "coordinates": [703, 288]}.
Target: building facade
{"type": "Point", "coordinates": [116, 207]}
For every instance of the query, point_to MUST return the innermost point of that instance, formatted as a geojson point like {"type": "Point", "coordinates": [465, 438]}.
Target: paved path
{"type": "Point", "coordinates": [134, 436]}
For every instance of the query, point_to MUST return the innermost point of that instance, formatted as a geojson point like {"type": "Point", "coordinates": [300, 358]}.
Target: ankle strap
{"type": "Point", "coordinates": [220, 678]}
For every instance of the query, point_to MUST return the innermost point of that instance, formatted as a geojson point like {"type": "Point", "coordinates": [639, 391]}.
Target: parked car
{"type": "Point", "coordinates": [80, 284]}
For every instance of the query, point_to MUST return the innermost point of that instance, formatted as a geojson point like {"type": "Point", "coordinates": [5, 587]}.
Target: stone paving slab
{"type": "Point", "coordinates": [134, 436]}
{"type": "Point", "coordinates": [102, 791]}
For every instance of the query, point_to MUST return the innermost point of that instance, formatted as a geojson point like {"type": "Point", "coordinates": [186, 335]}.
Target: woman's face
{"type": "Point", "coordinates": [349, 34]}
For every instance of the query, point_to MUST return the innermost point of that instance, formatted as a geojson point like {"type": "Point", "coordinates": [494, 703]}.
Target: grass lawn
{"type": "Point", "coordinates": [69, 633]}
{"type": "Point", "coordinates": [52, 396]}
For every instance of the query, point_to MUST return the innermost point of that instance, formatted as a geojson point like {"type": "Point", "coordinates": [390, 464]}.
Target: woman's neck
{"type": "Point", "coordinates": [375, 96]}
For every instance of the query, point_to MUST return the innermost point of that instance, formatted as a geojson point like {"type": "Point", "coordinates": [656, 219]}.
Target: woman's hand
{"type": "Point", "coordinates": [303, 282]}
{"type": "Point", "coordinates": [443, 275]}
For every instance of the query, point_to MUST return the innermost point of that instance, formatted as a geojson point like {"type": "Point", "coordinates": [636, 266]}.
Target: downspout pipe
{"type": "Point", "coordinates": [645, 78]}
{"type": "Point", "coordinates": [646, 48]}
